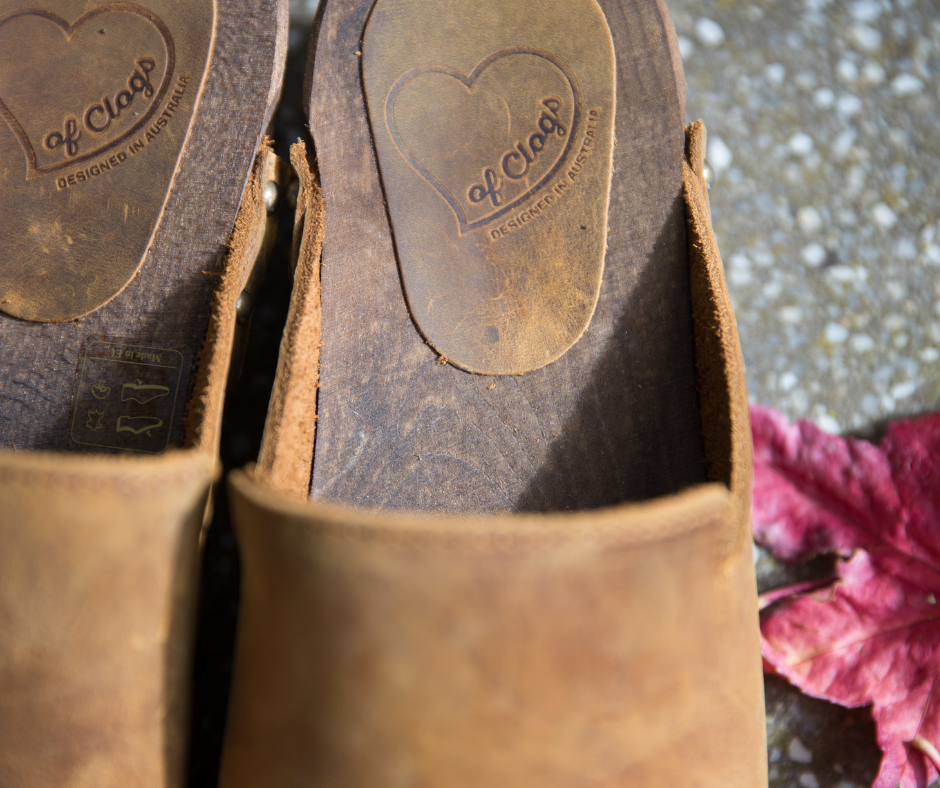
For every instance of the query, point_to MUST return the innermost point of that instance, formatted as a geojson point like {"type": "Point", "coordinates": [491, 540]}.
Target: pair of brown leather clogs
{"type": "Point", "coordinates": [498, 529]}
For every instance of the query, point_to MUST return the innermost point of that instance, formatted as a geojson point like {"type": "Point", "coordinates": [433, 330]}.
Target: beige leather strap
{"type": "Point", "coordinates": [286, 455]}
{"type": "Point", "coordinates": [723, 401]}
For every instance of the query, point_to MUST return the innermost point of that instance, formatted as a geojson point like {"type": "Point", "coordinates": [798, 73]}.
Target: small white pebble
{"type": "Point", "coordinates": [848, 105]}
{"type": "Point", "coordinates": [808, 219]}
{"type": "Point", "coordinates": [883, 215]}
{"type": "Point", "coordinates": [686, 47]}
{"type": "Point", "coordinates": [929, 355]}
{"type": "Point", "coordinates": [873, 73]}
{"type": "Point", "coordinates": [799, 402]}
{"type": "Point", "coordinates": [793, 40]}
{"type": "Point", "coordinates": [905, 249]}
{"type": "Point", "coordinates": [826, 423]}
{"type": "Point", "coordinates": [772, 290]}
{"type": "Point", "coordinates": [709, 32]}
{"type": "Point", "coordinates": [755, 553]}
{"type": "Point", "coordinates": [791, 314]}
{"type": "Point", "coordinates": [809, 780]}
{"type": "Point", "coordinates": [799, 752]}
{"type": "Point", "coordinates": [903, 390]}
{"type": "Point", "coordinates": [855, 179]}
{"type": "Point", "coordinates": [719, 154]}
{"type": "Point", "coordinates": [888, 404]}
{"type": "Point", "coordinates": [897, 290]}
{"type": "Point", "coordinates": [775, 73]}
{"type": "Point", "coordinates": [865, 37]}
{"type": "Point", "coordinates": [801, 144]}
{"type": "Point", "coordinates": [862, 343]}
{"type": "Point", "coordinates": [846, 70]}
{"type": "Point", "coordinates": [738, 260]}
{"type": "Point", "coordinates": [899, 137]}
{"type": "Point", "coordinates": [932, 254]}
{"type": "Point", "coordinates": [865, 10]}
{"type": "Point", "coordinates": [835, 334]}
{"type": "Point", "coordinates": [906, 85]}
{"type": "Point", "coordinates": [870, 404]}
{"type": "Point", "coordinates": [763, 257]}
{"type": "Point", "coordinates": [900, 341]}
{"type": "Point", "coordinates": [843, 143]}
{"type": "Point", "coordinates": [895, 322]}
{"type": "Point", "coordinates": [787, 382]}
{"type": "Point", "coordinates": [824, 98]}
{"type": "Point", "coordinates": [806, 80]}
{"type": "Point", "coordinates": [842, 273]}
{"type": "Point", "coordinates": [814, 255]}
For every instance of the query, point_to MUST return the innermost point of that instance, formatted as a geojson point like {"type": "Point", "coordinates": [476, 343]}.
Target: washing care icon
{"type": "Point", "coordinates": [101, 390]}
{"type": "Point", "coordinates": [142, 393]}
{"type": "Point", "coordinates": [138, 425]}
{"type": "Point", "coordinates": [95, 420]}
{"type": "Point", "coordinates": [126, 397]}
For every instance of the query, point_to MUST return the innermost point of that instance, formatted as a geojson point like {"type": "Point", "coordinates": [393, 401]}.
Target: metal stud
{"type": "Point", "coordinates": [243, 308]}
{"type": "Point", "coordinates": [270, 196]}
{"type": "Point", "coordinates": [293, 194]}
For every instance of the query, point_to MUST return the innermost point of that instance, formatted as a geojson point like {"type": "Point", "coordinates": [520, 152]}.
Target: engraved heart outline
{"type": "Point", "coordinates": [468, 81]}
{"type": "Point", "coordinates": [69, 30]}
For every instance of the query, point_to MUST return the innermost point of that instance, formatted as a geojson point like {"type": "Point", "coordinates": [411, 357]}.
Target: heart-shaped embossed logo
{"type": "Point", "coordinates": [84, 87]}
{"type": "Point", "coordinates": [510, 126]}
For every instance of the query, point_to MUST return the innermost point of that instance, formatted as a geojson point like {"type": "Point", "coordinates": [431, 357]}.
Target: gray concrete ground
{"type": "Point", "coordinates": [822, 119]}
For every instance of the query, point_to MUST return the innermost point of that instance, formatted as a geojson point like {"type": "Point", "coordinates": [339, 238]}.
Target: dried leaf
{"type": "Point", "coordinates": [872, 636]}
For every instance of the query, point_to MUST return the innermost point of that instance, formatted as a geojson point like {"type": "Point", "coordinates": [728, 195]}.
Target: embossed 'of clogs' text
{"type": "Point", "coordinates": [517, 161]}
{"type": "Point", "coordinates": [135, 147]}
{"type": "Point", "coordinates": [99, 116]}
{"type": "Point", "coordinates": [98, 81]}
{"type": "Point", "coordinates": [532, 88]}
{"type": "Point", "coordinates": [560, 188]}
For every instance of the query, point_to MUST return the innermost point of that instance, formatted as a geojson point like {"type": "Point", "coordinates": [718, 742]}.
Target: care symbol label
{"type": "Point", "coordinates": [128, 396]}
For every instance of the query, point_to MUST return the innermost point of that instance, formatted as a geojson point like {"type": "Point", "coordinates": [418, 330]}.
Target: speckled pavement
{"type": "Point", "coordinates": [822, 126]}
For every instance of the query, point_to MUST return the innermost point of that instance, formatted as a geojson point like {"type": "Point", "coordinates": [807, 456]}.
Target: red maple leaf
{"type": "Point", "coordinates": [872, 635]}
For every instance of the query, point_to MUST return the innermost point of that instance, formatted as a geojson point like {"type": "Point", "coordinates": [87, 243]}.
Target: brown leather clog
{"type": "Point", "coordinates": [498, 532]}
{"type": "Point", "coordinates": [124, 171]}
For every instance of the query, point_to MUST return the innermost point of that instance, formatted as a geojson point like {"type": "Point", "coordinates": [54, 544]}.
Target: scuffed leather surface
{"type": "Point", "coordinates": [608, 648]}
{"type": "Point", "coordinates": [605, 648]}
{"type": "Point", "coordinates": [500, 239]}
{"type": "Point", "coordinates": [86, 191]}
{"type": "Point", "coordinates": [98, 579]}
